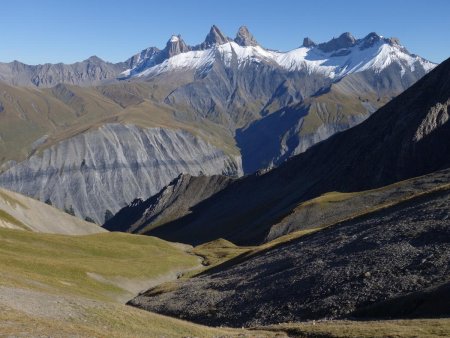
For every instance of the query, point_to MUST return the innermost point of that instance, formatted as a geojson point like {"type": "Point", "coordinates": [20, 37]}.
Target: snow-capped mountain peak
{"type": "Point", "coordinates": [333, 59]}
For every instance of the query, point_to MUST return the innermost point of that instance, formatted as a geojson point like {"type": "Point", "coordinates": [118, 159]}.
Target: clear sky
{"type": "Point", "coordinates": [42, 31]}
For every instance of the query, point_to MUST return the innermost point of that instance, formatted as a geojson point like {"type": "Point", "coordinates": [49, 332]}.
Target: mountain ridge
{"type": "Point", "coordinates": [94, 70]}
{"type": "Point", "coordinates": [345, 162]}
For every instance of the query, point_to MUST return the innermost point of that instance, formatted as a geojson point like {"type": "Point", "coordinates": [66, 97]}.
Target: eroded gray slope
{"type": "Point", "coordinates": [328, 274]}
{"type": "Point", "coordinates": [103, 170]}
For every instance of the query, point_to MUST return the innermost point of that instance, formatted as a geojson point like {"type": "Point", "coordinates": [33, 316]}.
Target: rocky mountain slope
{"type": "Point", "coordinates": [330, 274]}
{"type": "Point", "coordinates": [408, 137]}
{"type": "Point", "coordinates": [49, 121]}
{"type": "Point", "coordinates": [173, 201]}
{"type": "Point", "coordinates": [24, 213]}
{"type": "Point", "coordinates": [280, 103]}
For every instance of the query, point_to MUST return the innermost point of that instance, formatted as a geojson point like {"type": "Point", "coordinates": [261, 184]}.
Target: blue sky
{"type": "Point", "coordinates": [68, 31]}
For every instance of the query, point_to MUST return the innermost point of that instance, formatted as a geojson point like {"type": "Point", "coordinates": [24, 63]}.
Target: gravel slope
{"type": "Point", "coordinates": [329, 274]}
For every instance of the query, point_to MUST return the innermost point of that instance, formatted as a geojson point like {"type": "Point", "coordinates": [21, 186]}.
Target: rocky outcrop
{"type": "Point", "coordinates": [245, 38]}
{"type": "Point", "coordinates": [308, 43]}
{"type": "Point", "coordinates": [96, 173]}
{"type": "Point", "coordinates": [173, 201]}
{"type": "Point", "coordinates": [214, 37]}
{"type": "Point", "coordinates": [175, 46]}
{"type": "Point", "coordinates": [345, 40]}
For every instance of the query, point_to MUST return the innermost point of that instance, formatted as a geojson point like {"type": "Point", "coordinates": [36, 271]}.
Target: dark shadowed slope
{"type": "Point", "coordinates": [407, 137]}
{"type": "Point", "coordinates": [173, 201]}
{"type": "Point", "coordinates": [329, 274]}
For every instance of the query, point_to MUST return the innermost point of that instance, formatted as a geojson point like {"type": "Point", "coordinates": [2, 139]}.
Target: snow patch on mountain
{"type": "Point", "coordinates": [334, 64]}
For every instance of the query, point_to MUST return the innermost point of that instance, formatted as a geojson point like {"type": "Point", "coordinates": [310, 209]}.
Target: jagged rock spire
{"type": "Point", "coordinates": [245, 38]}
{"type": "Point", "coordinates": [175, 46]}
{"type": "Point", "coordinates": [215, 37]}
{"type": "Point", "coordinates": [307, 42]}
{"type": "Point", "coordinates": [345, 40]}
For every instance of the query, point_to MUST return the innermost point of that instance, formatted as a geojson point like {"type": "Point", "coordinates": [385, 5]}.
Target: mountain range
{"type": "Point", "coordinates": [388, 258]}
{"type": "Point", "coordinates": [302, 193]}
{"type": "Point", "coordinates": [234, 104]}
{"type": "Point", "coordinates": [405, 138]}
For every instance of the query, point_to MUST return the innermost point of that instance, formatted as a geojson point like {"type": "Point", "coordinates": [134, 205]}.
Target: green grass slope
{"type": "Point", "coordinates": [57, 285]}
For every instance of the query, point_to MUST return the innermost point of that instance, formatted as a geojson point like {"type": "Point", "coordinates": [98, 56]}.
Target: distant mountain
{"type": "Point", "coordinates": [280, 103]}
{"type": "Point", "coordinates": [408, 137]}
{"type": "Point", "coordinates": [94, 150]}
{"type": "Point", "coordinates": [88, 72]}
{"type": "Point", "coordinates": [334, 59]}
{"type": "Point", "coordinates": [247, 106]}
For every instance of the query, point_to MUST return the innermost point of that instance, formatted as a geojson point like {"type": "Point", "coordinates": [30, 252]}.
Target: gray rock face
{"type": "Point", "coordinates": [345, 40]}
{"type": "Point", "coordinates": [214, 37]}
{"type": "Point", "coordinates": [103, 170]}
{"type": "Point", "coordinates": [370, 40]}
{"type": "Point", "coordinates": [330, 274]}
{"type": "Point", "coordinates": [436, 118]}
{"type": "Point", "coordinates": [245, 38]}
{"type": "Point", "coordinates": [175, 46]}
{"type": "Point", "coordinates": [307, 42]}
{"type": "Point", "coordinates": [143, 59]}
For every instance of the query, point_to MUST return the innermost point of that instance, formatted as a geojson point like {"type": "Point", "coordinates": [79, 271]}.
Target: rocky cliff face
{"type": "Point", "coordinates": [96, 173]}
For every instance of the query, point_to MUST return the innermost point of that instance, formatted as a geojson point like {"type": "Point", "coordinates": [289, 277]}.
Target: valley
{"type": "Point", "coordinates": [219, 187]}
